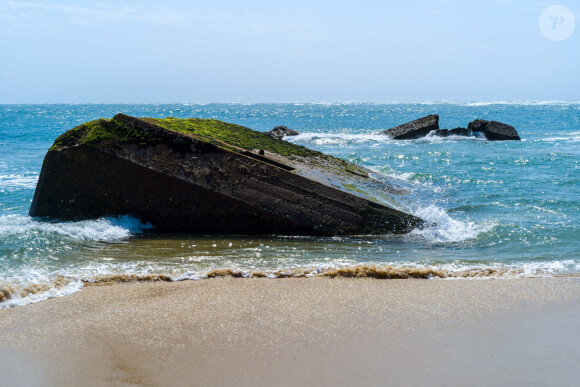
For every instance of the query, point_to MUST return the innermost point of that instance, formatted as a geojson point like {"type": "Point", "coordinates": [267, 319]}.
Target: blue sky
{"type": "Point", "coordinates": [263, 51]}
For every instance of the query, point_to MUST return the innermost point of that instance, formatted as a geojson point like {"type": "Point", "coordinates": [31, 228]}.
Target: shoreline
{"type": "Point", "coordinates": [63, 285]}
{"type": "Point", "coordinates": [228, 331]}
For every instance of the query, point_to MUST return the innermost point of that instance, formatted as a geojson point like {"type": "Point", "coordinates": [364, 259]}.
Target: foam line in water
{"type": "Point", "coordinates": [341, 139]}
{"type": "Point", "coordinates": [564, 137]}
{"type": "Point", "coordinates": [13, 180]}
{"type": "Point", "coordinates": [432, 137]}
{"type": "Point", "coordinates": [524, 103]}
{"type": "Point", "coordinates": [455, 270]}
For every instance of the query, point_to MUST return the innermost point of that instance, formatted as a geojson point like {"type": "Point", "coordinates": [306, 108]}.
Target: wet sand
{"type": "Point", "coordinates": [299, 331]}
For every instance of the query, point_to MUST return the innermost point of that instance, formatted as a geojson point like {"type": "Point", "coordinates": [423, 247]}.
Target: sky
{"type": "Point", "coordinates": [142, 51]}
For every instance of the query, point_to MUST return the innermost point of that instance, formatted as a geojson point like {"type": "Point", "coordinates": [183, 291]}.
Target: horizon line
{"type": "Point", "coordinates": [424, 102]}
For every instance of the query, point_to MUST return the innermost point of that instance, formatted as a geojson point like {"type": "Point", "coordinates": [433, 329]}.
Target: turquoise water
{"type": "Point", "coordinates": [497, 205]}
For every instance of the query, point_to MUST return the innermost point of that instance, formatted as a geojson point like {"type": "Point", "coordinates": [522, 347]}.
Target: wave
{"type": "Point", "coordinates": [370, 139]}
{"type": "Point", "coordinates": [341, 139]}
{"type": "Point", "coordinates": [523, 103]}
{"type": "Point", "coordinates": [14, 295]}
{"type": "Point", "coordinates": [19, 293]}
{"type": "Point", "coordinates": [455, 270]}
{"type": "Point", "coordinates": [443, 229]}
{"type": "Point", "coordinates": [365, 271]}
{"type": "Point", "coordinates": [102, 229]}
{"type": "Point", "coordinates": [488, 103]}
{"type": "Point", "coordinates": [565, 137]}
{"type": "Point", "coordinates": [446, 102]}
{"type": "Point", "coordinates": [13, 180]}
{"type": "Point", "coordinates": [431, 138]}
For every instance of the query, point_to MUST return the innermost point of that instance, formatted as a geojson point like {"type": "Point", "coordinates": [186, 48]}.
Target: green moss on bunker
{"type": "Point", "coordinates": [105, 132]}
{"type": "Point", "coordinates": [222, 133]}
{"type": "Point", "coordinates": [115, 132]}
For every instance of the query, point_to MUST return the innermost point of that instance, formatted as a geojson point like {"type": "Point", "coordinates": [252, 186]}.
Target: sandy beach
{"type": "Point", "coordinates": [306, 331]}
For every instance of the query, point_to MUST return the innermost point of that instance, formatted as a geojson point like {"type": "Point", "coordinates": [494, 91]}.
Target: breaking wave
{"type": "Point", "coordinates": [368, 139]}
{"type": "Point", "coordinates": [564, 137]}
{"type": "Point", "coordinates": [103, 229]}
{"type": "Point", "coordinates": [39, 289]}
{"type": "Point", "coordinates": [33, 282]}
{"type": "Point", "coordinates": [442, 228]}
{"type": "Point", "coordinates": [12, 295]}
{"type": "Point", "coordinates": [444, 102]}
{"type": "Point", "coordinates": [523, 103]}
{"type": "Point", "coordinates": [339, 139]}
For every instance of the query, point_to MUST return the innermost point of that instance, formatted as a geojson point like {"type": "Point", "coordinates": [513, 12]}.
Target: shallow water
{"type": "Point", "coordinates": [501, 209]}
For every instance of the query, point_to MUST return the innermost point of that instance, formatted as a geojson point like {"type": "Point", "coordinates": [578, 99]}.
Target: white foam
{"type": "Point", "coordinates": [498, 270]}
{"type": "Point", "coordinates": [565, 137]}
{"type": "Point", "coordinates": [522, 103]}
{"type": "Point", "coordinates": [341, 139]}
{"type": "Point", "coordinates": [432, 137]}
{"type": "Point", "coordinates": [55, 291]}
{"type": "Point", "coordinates": [446, 102]}
{"type": "Point", "coordinates": [404, 176]}
{"type": "Point", "coordinates": [26, 180]}
{"type": "Point", "coordinates": [103, 229]}
{"type": "Point", "coordinates": [370, 139]}
{"type": "Point", "coordinates": [445, 229]}
{"type": "Point", "coordinates": [73, 282]}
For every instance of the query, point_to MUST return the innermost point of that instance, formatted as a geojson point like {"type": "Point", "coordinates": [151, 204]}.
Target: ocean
{"type": "Point", "coordinates": [499, 209]}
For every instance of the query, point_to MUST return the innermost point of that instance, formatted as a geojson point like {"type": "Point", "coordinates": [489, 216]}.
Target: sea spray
{"type": "Point", "coordinates": [442, 228]}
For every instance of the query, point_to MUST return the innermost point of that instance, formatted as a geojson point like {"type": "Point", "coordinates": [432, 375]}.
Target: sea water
{"type": "Point", "coordinates": [499, 209]}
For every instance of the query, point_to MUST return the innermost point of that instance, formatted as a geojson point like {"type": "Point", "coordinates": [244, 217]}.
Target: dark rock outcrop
{"type": "Point", "coordinates": [494, 130]}
{"type": "Point", "coordinates": [452, 132]}
{"type": "Point", "coordinates": [414, 129]}
{"type": "Point", "coordinates": [280, 132]}
{"type": "Point", "coordinates": [210, 177]}
{"type": "Point", "coordinates": [459, 132]}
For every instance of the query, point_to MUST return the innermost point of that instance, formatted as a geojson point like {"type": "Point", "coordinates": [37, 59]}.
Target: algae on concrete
{"type": "Point", "coordinates": [222, 134]}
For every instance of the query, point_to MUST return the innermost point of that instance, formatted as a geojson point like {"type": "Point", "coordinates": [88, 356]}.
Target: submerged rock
{"type": "Point", "coordinates": [414, 129]}
{"type": "Point", "coordinates": [452, 132]}
{"type": "Point", "coordinates": [210, 177]}
{"type": "Point", "coordinates": [462, 132]}
{"type": "Point", "coordinates": [280, 132]}
{"type": "Point", "coordinates": [459, 132]}
{"type": "Point", "coordinates": [494, 130]}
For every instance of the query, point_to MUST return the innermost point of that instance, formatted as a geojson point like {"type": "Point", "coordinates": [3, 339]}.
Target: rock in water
{"type": "Point", "coordinates": [414, 129]}
{"type": "Point", "coordinates": [494, 130]}
{"type": "Point", "coordinates": [279, 132]}
{"type": "Point", "coordinates": [451, 132]}
{"type": "Point", "coordinates": [210, 177]}
{"type": "Point", "coordinates": [459, 132]}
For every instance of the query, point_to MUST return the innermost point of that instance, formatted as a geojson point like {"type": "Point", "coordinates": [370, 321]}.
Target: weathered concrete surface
{"type": "Point", "coordinates": [279, 132]}
{"type": "Point", "coordinates": [494, 130]}
{"type": "Point", "coordinates": [414, 129]}
{"type": "Point", "coordinates": [206, 176]}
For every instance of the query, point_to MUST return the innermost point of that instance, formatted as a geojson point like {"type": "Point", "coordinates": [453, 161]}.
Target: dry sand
{"type": "Point", "coordinates": [305, 331]}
